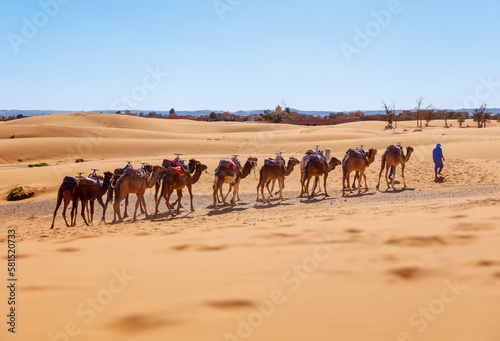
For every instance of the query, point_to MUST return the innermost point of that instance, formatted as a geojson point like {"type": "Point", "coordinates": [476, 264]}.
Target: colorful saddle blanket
{"type": "Point", "coordinates": [228, 164]}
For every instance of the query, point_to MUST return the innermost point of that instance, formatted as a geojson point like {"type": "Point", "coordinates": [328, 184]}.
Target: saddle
{"type": "Point", "coordinates": [87, 181]}
{"type": "Point", "coordinates": [229, 164]}
{"type": "Point", "coordinates": [134, 172]}
{"type": "Point", "coordinates": [397, 149]}
{"type": "Point", "coordinates": [278, 162]}
{"type": "Point", "coordinates": [356, 153]}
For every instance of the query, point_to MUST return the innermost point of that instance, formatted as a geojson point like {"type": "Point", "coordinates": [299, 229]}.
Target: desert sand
{"type": "Point", "coordinates": [421, 263]}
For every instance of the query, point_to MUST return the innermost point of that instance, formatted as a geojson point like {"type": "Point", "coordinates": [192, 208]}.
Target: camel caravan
{"type": "Point", "coordinates": [175, 175]}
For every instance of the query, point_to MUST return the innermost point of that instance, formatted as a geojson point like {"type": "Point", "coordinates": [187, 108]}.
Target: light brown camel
{"type": "Point", "coordinates": [274, 172]}
{"type": "Point", "coordinates": [225, 175]}
{"type": "Point", "coordinates": [112, 185]}
{"type": "Point", "coordinates": [318, 168]}
{"type": "Point", "coordinates": [356, 160]}
{"type": "Point", "coordinates": [133, 181]}
{"type": "Point", "coordinates": [66, 193]}
{"type": "Point", "coordinates": [173, 181]}
{"type": "Point", "coordinates": [88, 190]}
{"type": "Point", "coordinates": [393, 156]}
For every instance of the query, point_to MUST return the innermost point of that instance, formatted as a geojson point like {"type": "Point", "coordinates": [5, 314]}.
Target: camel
{"type": "Point", "coordinates": [303, 162]}
{"type": "Point", "coordinates": [278, 172]}
{"type": "Point", "coordinates": [66, 193]}
{"type": "Point", "coordinates": [88, 189]}
{"type": "Point", "coordinates": [317, 168]}
{"type": "Point", "coordinates": [173, 181]}
{"type": "Point", "coordinates": [133, 181]}
{"type": "Point", "coordinates": [393, 156]}
{"type": "Point", "coordinates": [356, 161]}
{"type": "Point", "coordinates": [225, 175]}
{"type": "Point", "coordinates": [111, 190]}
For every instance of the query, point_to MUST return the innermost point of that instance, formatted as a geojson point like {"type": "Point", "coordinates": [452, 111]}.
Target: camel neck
{"type": "Point", "coordinates": [196, 176]}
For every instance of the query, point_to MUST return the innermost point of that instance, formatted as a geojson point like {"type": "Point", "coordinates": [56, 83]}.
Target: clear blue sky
{"type": "Point", "coordinates": [87, 55]}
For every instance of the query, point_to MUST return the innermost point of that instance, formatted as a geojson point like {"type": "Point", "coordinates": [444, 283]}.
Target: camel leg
{"type": "Point", "coordinates": [222, 196]}
{"type": "Point", "coordinates": [228, 192]}
{"type": "Point", "coordinates": [386, 175]}
{"type": "Point", "coordinates": [314, 187]}
{"type": "Point", "coordinates": [359, 175]}
{"type": "Point", "coordinates": [190, 196]}
{"type": "Point", "coordinates": [179, 196]}
{"type": "Point", "coordinates": [84, 206]}
{"type": "Point", "coordinates": [125, 214]}
{"type": "Point", "coordinates": [235, 193]}
{"type": "Point", "coordinates": [324, 184]}
{"type": "Point", "coordinates": [215, 188]}
{"type": "Point", "coordinates": [348, 180]}
{"type": "Point", "coordinates": [66, 203]}
{"type": "Point", "coordinates": [92, 212]}
{"type": "Point", "coordinates": [74, 212]}
{"type": "Point", "coordinates": [140, 198]}
{"type": "Point", "coordinates": [167, 199]}
{"type": "Point", "coordinates": [281, 182]}
{"type": "Point", "coordinates": [158, 197]}
{"type": "Point", "coordinates": [302, 184]}
{"type": "Point", "coordinates": [393, 178]}
{"type": "Point", "coordinates": [109, 197]}
{"type": "Point", "coordinates": [380, 174]}
{"type": "Point", "coordinates": [403, 174]}
{"type": "Point", "coordinates": [364, 176]}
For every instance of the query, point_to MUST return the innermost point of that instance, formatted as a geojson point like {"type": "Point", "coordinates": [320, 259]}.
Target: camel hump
{"type": "Point", "coordinates": [87, 181]}
{"type": "Point", "coordinates": [361, 154]}
{"type": "Point", "coordinates": [132, 172]}
{"type": "Point", "coordinates": [278, 162]}
{"type": "Point", "coordinates": [229, 164]}
{"type": "Point", "coordinates": [395, 149]}
{"type": "Point", "coordinates": [118, 172]}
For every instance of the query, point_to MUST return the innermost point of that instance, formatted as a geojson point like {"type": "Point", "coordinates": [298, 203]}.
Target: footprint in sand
{"type": "Point", "coordinates": [409, 272]}
{"type": "Point", "coordinates": [230, 304]}
{"type": "Point", "coordinates": [141, 323]}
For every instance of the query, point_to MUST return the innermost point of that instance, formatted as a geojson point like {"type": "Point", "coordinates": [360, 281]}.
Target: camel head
{"type": "Point", "coordinates": [334, 162]}
{"type": "Point", "coordinates": [108, 175]}
{"type": "Point", "coordinates": [293, 161]}
{"type": "Point", "coordinates": [252, 161]}
{"type": "Point", "coordinates": [371, 155]}
{"type": "Point", "coordinates": [158, 169]}
{"type": "Point", "coordinates": [409, 150]}
{"type": "Point", "coordinates": [148, 168]}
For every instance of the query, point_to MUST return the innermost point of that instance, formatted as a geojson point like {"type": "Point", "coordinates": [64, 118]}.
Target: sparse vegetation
{"type": "Point", "coordinates": [79, 160]}
{"type": "Point", "coordinates": [41, 164]}
{"type": "Point", "coordinates": [18, 193]}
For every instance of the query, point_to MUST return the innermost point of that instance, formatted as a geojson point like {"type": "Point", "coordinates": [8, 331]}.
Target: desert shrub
{"type": "Point", "coordinates": [18, 193]}
{"type": "Point", "coordinates": [41, 164]}
{"type": "Point", "coordinates": [79, 160]}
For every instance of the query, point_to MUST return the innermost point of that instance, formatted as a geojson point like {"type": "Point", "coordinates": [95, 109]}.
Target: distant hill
{"type": "Point", "coordinates": [5, 112]}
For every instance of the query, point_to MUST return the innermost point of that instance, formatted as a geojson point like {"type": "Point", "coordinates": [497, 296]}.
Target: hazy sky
{"type": "Point", "coordinates": [248, 54]}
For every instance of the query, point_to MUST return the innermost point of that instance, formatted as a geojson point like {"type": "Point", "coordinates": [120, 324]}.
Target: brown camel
{"type": "Point", "coordinates": [112, 185]}
{"type": "Point", "coordinates": [274, 171]}
{"type": "Point", "coordinates": [356, 160]}
{"type": "Point", "coordinates": [225, 175]}
{"type": "Point", "coordinates": [133, 181]}
{"type": "Point", "coordinates": [66, 193]}
{"type": "Point", "coordinates": [173, 181]}
{"type": "Point", "coordinates": [303, 162]}
{"type": "Point", "coordinates": [317, 168]}
{"type": "Point", "coordinates": [88, 190]}
{"type": "Point", "coordinates": [393, 156]}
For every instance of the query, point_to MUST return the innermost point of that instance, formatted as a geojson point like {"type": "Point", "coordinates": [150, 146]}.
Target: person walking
{"type": "Point", "coordinates": [437, 155]}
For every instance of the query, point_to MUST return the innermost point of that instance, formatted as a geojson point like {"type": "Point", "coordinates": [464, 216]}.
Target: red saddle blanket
{"type": "Point", "coordinates": [228, 164]}
{"type": "Point", "coordinates": [179, 170]}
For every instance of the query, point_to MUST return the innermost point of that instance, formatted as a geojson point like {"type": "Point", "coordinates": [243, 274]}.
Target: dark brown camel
{"type": "Point", "coordinates": [225, 175]}
{"type": "Point", "coordinates": [318, 168]}
{"type": "Point", "coordinates": [65, 193]}
{"type": "Point", "coordinates": [356, 161]}
{"type": "Point", "coordinates": [88, 190]}
{"type": "Point", "coordinates": [173, 181]}
{"type": "Point", "coordinates": [133, 181]}
{"type": "Point", "coordinates": [271, 172]}
{"type": "Point", "coordinates": [393, 156]}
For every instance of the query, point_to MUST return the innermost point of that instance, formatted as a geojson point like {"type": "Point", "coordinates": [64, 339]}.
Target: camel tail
{"type": "Point", "coordinates": [261, 177]}
{"type": "Point", "coordinates": [59, 196]}
{"type": "Point", "coordinates": [382, 166]}
{"type": "Point", "coordinates": [306, 174]}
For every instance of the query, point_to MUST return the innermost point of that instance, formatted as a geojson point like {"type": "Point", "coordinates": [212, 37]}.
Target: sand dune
{"type": "Point", "coordinates": [414, 264]}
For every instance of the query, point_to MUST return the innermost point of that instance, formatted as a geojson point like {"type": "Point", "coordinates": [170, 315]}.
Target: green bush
{"type": "Point", "coordinates": [79, 160]}
{"type": "Point", "coordinates": [41, 164]}
{"type": "Point", "coordinates": [18, 193]}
